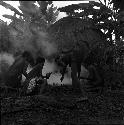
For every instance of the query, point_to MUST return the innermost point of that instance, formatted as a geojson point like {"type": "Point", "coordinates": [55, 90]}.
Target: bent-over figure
{"type": "Point", "coordinates": [35, 77]}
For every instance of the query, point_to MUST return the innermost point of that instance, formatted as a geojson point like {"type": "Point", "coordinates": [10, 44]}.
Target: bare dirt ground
{"type": "Point", "coordinates": [107, 108]}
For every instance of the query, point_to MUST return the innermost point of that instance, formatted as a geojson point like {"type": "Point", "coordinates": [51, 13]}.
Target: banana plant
{"type": "Point", "coordinates": [106, 16]}
{"type": "Point", "coordinates": [32, 19]}
{"type": "Point", "coordinates": [41, 16]}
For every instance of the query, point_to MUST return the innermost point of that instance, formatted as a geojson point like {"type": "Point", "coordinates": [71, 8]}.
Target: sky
{"type": "Point", "coordinates": [56, 3]}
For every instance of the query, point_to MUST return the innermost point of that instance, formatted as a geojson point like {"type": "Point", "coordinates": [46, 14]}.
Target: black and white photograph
{"type": "Point", "coordinates": [62, 62]}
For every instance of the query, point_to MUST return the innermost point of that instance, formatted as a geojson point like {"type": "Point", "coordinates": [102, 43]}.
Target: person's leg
{"type": "Point", "coordinates": [43, 86]}
{"type": "Point", "coordinates": [79, 69]}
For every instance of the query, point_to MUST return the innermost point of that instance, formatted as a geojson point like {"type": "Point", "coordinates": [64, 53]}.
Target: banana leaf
{"type": "Point", "coordinates": [26, 4]}
{"type": "Point", "coordinates": [82, 6]}
{"type": "Point", "coordinates": [11, 17]}
{"type": "Point", "coordinates": [95, 3]}
{"type": "Point", "coordinates": [8, 6]}
{"type": "Point", "coordinates": [69, 8]}
{"type": "Point", "coordinates": [31, 10]}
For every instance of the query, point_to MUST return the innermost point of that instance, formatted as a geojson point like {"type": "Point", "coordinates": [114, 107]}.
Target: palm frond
{"type": "Point", "coordinates": [8, 6]}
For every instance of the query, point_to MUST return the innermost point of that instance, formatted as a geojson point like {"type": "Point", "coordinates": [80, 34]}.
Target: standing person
{"type": "Point", "coordinates": [66, 59]}
{"type": "Point", "coordinates": [35, 76]}
{"type": "Point", "coordinates": [63, 61]}
{"type": "Point", "coordinates": [12, 77]}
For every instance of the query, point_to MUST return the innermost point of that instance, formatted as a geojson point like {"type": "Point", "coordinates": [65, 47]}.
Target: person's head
{"type": "Point", "coordinates": [40, 60]}
{"type": "Point", "coordinates": [57, 58]}
{"type": "Point", "coordinates": [28, 56]}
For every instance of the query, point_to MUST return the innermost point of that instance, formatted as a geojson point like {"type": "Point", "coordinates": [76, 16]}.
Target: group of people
{"type": "Point", "coordinates": [94, 80]}
{"type": "Point", "coordinates": [13, 76]}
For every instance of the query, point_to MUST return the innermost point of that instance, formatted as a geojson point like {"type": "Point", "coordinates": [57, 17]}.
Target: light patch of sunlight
{"type": "Point", "coordinates": [95, 7]}
{"type": "Point", "coordinates": [90, 16]}
{"type": "Point", "coordinates": [79, 10]}
{"type": "Point", "coordinates": [36, 3]}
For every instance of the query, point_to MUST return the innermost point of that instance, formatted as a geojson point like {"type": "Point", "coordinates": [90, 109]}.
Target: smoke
{"type": "Point", "coordinates": [38, 44]}
{"type": "Point", "coordinates": [6, 60]}
{"type": "Point", "coordinates": [55, 79]}
{"type": "Point", "coordinates": [55, 76]}
{"type": "Point", "coordinates": [50, 67]}
{"type": "Point", "coordinates": [47, 48]}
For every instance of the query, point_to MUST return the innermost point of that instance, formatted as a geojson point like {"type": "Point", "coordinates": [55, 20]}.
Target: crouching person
{"type": "Point", "coordinates": [95, 80]}
{"type": "Point", "coordinates": [35, 82]}
{"type": "Point", "coordinates": [12, 77]}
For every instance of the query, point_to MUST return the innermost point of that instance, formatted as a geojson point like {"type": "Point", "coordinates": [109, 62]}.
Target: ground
{"type": "Point", "coordinates": [106, 108]}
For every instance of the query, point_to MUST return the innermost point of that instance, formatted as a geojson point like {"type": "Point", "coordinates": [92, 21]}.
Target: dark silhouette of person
{"type": "Point", "coordinates": [36, 74]}
{"type": "Point", "coordinates": [63, 61]}
{"type": "Point", "coordinates": [95, 79]}
{"type": "Point", "coordinates": [12, 77]}
{"type": "Point", "coordinates": [66, 59]}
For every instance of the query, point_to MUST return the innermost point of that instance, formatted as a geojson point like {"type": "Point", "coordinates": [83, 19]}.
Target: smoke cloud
{"type": "Point", "coordinates": [39, 45]}
{"type": "Point", "coordinates": [6, 60]}
{"type": "Point", "coordinates": [47, 47]}
{"type": "Point", "coordinates": [55, 76]}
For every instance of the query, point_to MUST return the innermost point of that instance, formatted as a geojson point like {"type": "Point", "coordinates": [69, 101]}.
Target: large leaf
{"type": "Point", "coordinates": [43, 6]}
{"type": "Point", "coordinates": [69, 8]}
{"type": "Point", "coordinates": [31, 10]}
{"type": "Point", "coordinates": [26, 4]}
{"type": "Point", "coordinates": [52, 14]}
{"type": "Point", "coordinates": [82, 6]}
{"type": "Point", "coordinates": [11, 17]}
{"type": "Point", "coordinates": [95, 3]}
{"type": "Point", "coordinates": [8, 6]}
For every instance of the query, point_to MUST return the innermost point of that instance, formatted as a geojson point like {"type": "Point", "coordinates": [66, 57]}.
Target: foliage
{"type": "Point", "coordinates": [8, 6]}
{"type": "Point", "coordinates": [118, 4]}
{"type": "Point", "coordinates": [105, 17]}
{"type": "Point", "coordinates": [32, 19]}
{"type": "Point", "coordinates": [5, 43]}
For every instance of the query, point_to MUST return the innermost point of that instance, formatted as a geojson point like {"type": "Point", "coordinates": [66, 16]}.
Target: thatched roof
{"type": "Point", "coordinates": [69, 30]}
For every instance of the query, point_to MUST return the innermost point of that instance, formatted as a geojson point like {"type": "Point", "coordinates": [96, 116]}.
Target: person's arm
{"type": "Point", "coordinates": [25, 70]}
{"type": "Point", "coordinates": [47, 75]}
{"type": "Point", "coordinates": [63, 73]}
